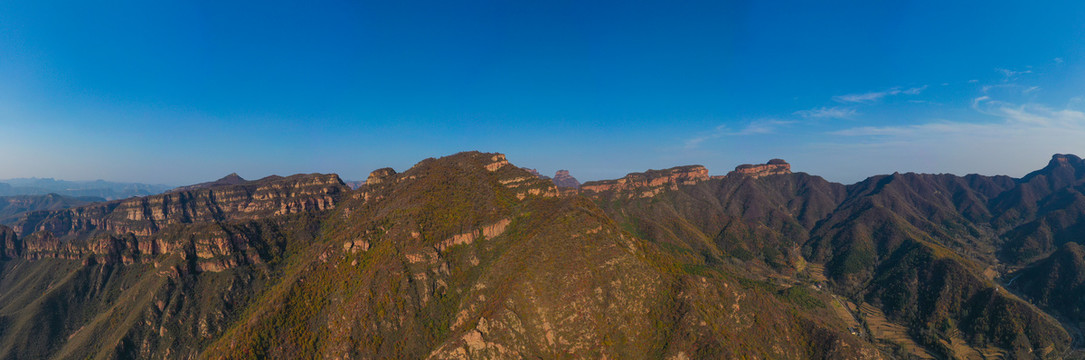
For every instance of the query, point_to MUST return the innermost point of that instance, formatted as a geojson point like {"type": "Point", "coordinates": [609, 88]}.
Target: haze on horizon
{"type": "Point", "coordinates": [178, 92]}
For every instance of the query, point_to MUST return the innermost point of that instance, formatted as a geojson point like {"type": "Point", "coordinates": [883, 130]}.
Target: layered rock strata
{"type": "Point", "coordinates": [773, 167]}
{"type": "Point", "coordinates": [123, 230]}
{"type": "Point", "coordinates": [649, 183]}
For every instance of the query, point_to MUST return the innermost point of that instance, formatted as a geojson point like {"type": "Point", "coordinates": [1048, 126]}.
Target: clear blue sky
{"type": "Point", "coordinates": [180, 92]}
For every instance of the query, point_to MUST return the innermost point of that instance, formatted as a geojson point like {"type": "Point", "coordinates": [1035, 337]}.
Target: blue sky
{"type": "Point", "coordinates": [180, 92]}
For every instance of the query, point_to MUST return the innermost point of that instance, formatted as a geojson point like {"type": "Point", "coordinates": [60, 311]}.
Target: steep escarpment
{"type": "Point", "coordinates": [145, 216]}
{"type": "Point", "coordinates": [563, 180]}
{"type": "Point", "coordinates": [14, 207]}
{"type": "Point", "coordinates": [162, 306]}
{"type": "Point", "coordinates": [773, 167]}
{"type": "Point", "coordinates": [649, 183]}
{"type": "Point", "coordinates": [182, 222]}
{"type": "Point", "coordinates": [10, 247]}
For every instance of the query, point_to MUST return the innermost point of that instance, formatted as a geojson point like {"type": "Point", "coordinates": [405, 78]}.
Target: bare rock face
{"type": "Point", "coordinates": [131, 225]}
{"type": "Point", "coordinates": [773, 167]}
{"type": "Point", "coordinates": [8, 243]}
{"type": "Point", "coordinates": [649, 183]}
{"type": "Point", "coordinates": [563, 180]}
{"type": "Point", "coordinates": [379, 175]}
{"type": "Point", "coordinates": [497, 161]}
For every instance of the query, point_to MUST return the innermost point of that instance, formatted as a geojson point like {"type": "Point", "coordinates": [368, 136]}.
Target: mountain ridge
{"type": "Point", "coordinates": [470, 256]}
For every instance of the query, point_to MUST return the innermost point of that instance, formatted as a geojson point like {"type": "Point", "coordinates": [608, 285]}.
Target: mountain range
{"type": "Point", "coordinates": [98, 188]}
{"type": "Point", "coordinates": [469, 256]}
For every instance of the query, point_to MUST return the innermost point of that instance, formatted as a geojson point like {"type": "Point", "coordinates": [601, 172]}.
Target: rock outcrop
{"type": "Point", "coordinates": [144, 216]}
{"type": "Point", "coordinates": [124, 229]}
{"type": "Point", "coordinates": [9, 245]}
{"type": "Point", "coordinates": [563, 180]}
{"type": "Point", "coordinates": [497, 161]}
{"type": "Point", "coordinates": [773, 167]}
{"type": "Point", "coordinates": [379, 175]}
{"type": "Point", "coordinates": [649, 183]}
{"type": "Point", "coordinates": [14, 207]}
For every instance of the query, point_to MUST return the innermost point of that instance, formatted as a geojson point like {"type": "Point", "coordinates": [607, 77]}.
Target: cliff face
{"type": "Point", "coordinates": [13, 207]}
{"type": "Point", "coordinates": [563, 180]}
{"type": "Point", "coordinates": [145, 216]}
{"type": "Point", "coordinates": [123, 230]}
{"type": "Point", "coordinates": [649, 183]}
{"type": "Point", "coordinates": [8, 244]}
{"type": "Point", "coordinates": [773, 167]}
{"type": "Point", "coordinates": [377, 176]}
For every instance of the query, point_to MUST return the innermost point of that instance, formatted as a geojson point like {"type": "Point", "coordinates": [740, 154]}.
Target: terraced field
{"type": "Point", "coordinates": [891, 333]}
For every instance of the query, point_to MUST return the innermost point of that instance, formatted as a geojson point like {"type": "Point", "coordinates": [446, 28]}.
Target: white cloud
{"type": "Point", "coordinates": [756, 127]}
{"type": "Point", "coordinates": [1058, 60]}
{"type": "Point", "coordinates": [915, 91]}
{"type": "Point", "coordinates": [827, 113]}
{"type": "Point", "coordinates": [976, 102]}
{"type": "Point", "coordinates": [1013, 120]}
{"type": "Point", "coordinates": [877, 95]}
{"type": "Point", "coordinates": [1008, 74]}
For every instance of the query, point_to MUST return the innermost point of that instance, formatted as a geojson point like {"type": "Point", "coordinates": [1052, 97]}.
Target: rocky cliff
{"type": "Point", "coordinates": [773, 167]}
{"type": "Point", "coordinates": [13, 207]}
{"type": "Point", "coordinates": [649, 183]}
{"type": "Point", "coordinates": [122, 230]}
{"type": "Point", "coordinates": [379, 175]}
{"type": "Point", "coordinates": [563, 180]}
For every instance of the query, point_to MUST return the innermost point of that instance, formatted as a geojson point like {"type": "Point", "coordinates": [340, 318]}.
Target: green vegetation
{"type": "Point", "coordinates": [466, 256]}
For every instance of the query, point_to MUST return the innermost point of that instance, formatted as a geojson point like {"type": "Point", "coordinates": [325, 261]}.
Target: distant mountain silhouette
{"type": "Point", "coordinates": [98, 188]}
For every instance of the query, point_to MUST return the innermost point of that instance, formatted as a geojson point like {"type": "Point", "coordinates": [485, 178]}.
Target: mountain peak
{"type": "Point", "coordinates": [1062, 169]}
{"type": "Point", "coordinates": [563, 180]}
{"type": "Point", "coordinates": [232, 179]}
{"type": "Point", "coordinates": [1064, 160]}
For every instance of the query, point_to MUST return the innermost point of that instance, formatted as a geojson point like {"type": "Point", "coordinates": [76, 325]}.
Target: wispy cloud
{"type": "Point", "coordinates": [877, 95]}
{"type": "Point", "coordinates": [1013, 121]}
{"type": "Point", "coordinates": [1008, 75]}
{"type": "Point", "coordinates": [977, 101]}
{"type": "Point", "coordinates": [756, 127]}
{"type": "Point", "coordinates": [835, 112]}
